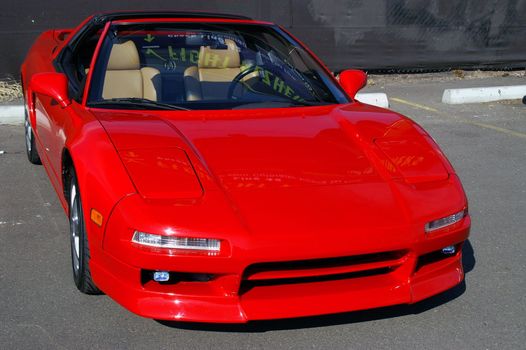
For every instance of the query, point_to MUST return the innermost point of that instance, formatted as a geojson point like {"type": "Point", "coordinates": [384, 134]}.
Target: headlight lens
{"type": "Point", "coordinates": [443, 222]}
{"type": "Point", "coordinates": [162, 173]}
{"type": "Point", "coordinates": [177, 242]}
{"type": "Point", "coordinates": [408, 153]}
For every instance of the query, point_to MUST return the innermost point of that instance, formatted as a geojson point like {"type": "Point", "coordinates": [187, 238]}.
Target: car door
{"type": "Point", "coordinates": [51, 117]}
{"type": "Point", "coordinates": [50, 120]}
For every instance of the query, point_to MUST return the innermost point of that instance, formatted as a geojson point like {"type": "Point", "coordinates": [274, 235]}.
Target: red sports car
{"type": "Point", "coordinates": [214, 170]}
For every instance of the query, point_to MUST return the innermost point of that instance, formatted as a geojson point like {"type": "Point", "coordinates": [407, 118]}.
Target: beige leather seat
{"type": "Point", "coordinates": [125, 77]}
{"type": "Point", "coordinates": [215, 70]}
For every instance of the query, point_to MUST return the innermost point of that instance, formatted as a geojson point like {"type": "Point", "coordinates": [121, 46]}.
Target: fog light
{"type": "Point", "coordinates": [161, 276]}
{"type": "Point", "coordinates": [449, 250]}
{"type": "Point", "coordinates": [443, 222]}
{"type": "Point", "coordinates": [177, 242]}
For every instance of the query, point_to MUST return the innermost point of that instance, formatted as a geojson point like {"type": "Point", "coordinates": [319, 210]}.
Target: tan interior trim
{"type": "Point", "coordinates": [125, 77]}
{"type": "Point", "coordinates": [151, 80]}
{"type": "Point", "coordinates": [124, 57]}
{"type": "Point", "coordinates": [219, 58]}
{"type": "Point", "coordinates": [122, 84]}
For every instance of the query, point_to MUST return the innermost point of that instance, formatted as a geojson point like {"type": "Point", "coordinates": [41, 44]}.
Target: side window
{"type": "Point", "coordinates": [84, 54]}
{"type": "Point", "coordinates": [75, 61]}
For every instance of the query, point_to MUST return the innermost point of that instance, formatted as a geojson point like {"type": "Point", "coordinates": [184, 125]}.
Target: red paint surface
{"type": "Point", "coordinates": [275, 185]}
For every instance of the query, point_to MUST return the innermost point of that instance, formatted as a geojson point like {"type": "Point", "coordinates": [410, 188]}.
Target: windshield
{"type": "Point", "coordinates": [206, 66]}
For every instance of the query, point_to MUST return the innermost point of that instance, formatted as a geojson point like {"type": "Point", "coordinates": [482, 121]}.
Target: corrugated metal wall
{"type": "Point", "coordinates": [368, 34]}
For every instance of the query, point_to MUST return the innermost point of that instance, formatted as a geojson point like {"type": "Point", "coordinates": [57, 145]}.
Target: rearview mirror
{"type": "Point", "coordinates": [352, 81]}
{"type": "Point", "coordinates": [54, 85]}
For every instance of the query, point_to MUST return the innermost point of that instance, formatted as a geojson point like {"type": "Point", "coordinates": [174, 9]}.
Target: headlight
{"type": "Point", "coordinates": [162, 173]}
{"type": "Point", "coordinates": [177, 242]}
{"type": "Point", "coordinates": [407, 153]}
{"type": "Point", "coordinates": [443, 222]}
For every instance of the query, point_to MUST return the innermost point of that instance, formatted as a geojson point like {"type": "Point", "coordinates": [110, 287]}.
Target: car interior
{"type": "Point", "coordinates": [195, 68]}
{"type": "Point", "coordinates": [200, 81]}
{"type": "Point", "coordinates": [209, 79]}
{"type": "Point", "coordinates": [125, 77]}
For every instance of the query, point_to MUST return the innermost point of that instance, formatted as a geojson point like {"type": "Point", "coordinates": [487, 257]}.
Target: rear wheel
{"type": "Point", "coordinates": [80, 254]}
{"type": "Point", "coordinates": [31, 150]}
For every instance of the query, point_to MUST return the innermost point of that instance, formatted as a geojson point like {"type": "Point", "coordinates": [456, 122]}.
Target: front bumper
{"type": "Point", "coordinates": [420, 272]}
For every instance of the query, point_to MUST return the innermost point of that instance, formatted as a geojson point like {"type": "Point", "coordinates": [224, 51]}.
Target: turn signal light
{"type": "Point", "coordinates": [177, 242]}
{"type": "Point", "coordinates": [447, 221]}
{"type": "Point", "coordinates": [96, 217]}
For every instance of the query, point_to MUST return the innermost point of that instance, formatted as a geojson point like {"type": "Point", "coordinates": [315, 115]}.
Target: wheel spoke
{"type": "Point", "coordinates": [28, 135]}
{"type": "Point", "coordinates": [77, 245]}
{"type": "Point", "coordinates": [75, 226]}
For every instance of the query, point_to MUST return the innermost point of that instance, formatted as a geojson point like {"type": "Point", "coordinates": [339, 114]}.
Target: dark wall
{"type": "Point", "coordinates": [368, 34]}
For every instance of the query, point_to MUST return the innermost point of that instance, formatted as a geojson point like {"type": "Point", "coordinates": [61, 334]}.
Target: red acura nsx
{"type": "Point", "coordinates": [214, 170]}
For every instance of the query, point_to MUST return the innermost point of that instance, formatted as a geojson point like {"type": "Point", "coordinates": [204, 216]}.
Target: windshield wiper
{"type": "Point", "coordinates": [304, 103]}
{"type": "Point", "coordinates": [138, 102]}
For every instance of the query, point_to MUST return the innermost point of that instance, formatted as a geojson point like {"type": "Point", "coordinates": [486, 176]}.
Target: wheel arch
{"type": "Point", "coordinates": [101, 176]}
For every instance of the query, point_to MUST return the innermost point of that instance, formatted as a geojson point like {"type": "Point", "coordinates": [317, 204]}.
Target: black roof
{"type": "Point", "coordinates": [112, 16]}
{"type": "Point", "coordinates": [99, 20]}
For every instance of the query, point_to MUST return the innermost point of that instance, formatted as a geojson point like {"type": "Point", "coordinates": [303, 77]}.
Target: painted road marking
{"type": "Point", "coordinates": [499, 129]}
{"type": "Point", "coordinates": [480, 125]}
{"type": "Point", "coordinates": [413, 104]}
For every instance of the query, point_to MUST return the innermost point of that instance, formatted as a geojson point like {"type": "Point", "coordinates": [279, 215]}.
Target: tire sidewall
{"type": "Point", "coordinates": [31, 150]}
{"type": "Point", "coordinates": [27, 130]}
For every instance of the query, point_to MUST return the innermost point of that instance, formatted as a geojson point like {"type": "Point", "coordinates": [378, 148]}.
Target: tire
{"type": "Point", "coordinates": [31, 149]}
{"type": "Point", "coordinates": [80, 254]}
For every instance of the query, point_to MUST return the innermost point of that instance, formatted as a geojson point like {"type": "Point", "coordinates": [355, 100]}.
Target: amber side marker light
{"type": "Point", "coordinates": [96, 217]}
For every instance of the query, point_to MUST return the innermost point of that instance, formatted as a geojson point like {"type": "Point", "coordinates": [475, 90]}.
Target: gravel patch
{"type": "Point", "coordinates": [10, 90]}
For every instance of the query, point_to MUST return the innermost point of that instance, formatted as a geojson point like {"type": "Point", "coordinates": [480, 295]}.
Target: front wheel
{"type": "Point", "coordinates": [80, 254]}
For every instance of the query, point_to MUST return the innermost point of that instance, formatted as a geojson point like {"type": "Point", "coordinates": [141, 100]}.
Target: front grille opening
{"type": "Point", "coordinates": [434, 257]}
{"type": "Point", "coordinates": [246, 285]}
{"type": "Point", "coordinates": [323, 263]}
{"type": "Point", "coordinates": [176, 277]}
{"type": "Point", "coordinates": [320, 270]}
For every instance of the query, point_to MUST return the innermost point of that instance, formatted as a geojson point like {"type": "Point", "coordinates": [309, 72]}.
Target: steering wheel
{"type": "Point", "coordinates": [237, 80]}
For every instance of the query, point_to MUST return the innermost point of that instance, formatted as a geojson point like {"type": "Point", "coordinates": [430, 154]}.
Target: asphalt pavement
{"type": "Point", "coordinates": [40, 307]}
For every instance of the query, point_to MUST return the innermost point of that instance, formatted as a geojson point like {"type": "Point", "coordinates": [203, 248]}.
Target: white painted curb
{"type": "Point", "coordinates": [376, 99]}
{"type": "Point", "coordinates": [483, 94]}
{"type": "Point", "coordinates": [12, 114]}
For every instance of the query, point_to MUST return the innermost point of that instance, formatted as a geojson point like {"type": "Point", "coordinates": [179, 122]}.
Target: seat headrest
{"type": "Point", "coordinates": [219, 58]}
{"type": "Point", "coordinates": [124, 57]}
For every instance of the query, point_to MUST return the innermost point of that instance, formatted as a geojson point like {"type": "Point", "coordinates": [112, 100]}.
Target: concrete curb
{"type": "Point", "coordinates": [378, 99]}
{"type": "Point", "coordinates": [12, 114]}
{"type": "Point", "coordinates": [483, 94]}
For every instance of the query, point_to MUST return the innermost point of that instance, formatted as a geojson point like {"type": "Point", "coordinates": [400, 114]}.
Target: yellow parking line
{"type": "Point", "coordinates": [496, 128]}
{"type": "Point", "coordinates": [481, 125]}
{"type": "Point", "coordinates": [412, 104]}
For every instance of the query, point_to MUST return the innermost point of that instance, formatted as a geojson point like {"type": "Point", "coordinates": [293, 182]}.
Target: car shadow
{"type": "Point", "coordinates": [468, 257]}
{"type": "Point", "coordinates": [468, 261]}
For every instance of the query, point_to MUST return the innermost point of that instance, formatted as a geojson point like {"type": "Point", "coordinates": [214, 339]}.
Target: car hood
{"type": "Point", "coordinates": [310, 169]}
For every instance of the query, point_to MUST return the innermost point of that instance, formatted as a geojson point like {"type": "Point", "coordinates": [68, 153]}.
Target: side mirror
{"type": "Point", "coordinates": [353, 81]}
{"type": "Point", "coordinates": [54, 85]}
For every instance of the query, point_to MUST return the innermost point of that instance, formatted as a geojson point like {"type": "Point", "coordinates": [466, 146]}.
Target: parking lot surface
{"type": "Point", "coordinates": [40, 307]}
